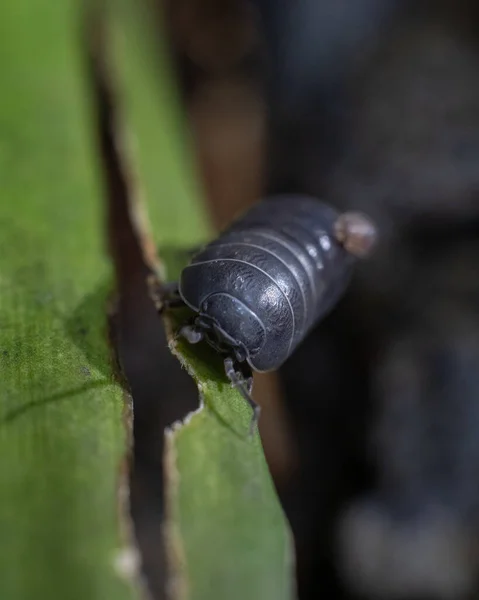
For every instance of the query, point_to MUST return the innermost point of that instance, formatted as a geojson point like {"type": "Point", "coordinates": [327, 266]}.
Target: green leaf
{"type": "Point", "coordinates": [63, 421]}
{"type": "Point", "coordinates": [227, 535]}
{"type": "Point", "coordinates": [222, 506]}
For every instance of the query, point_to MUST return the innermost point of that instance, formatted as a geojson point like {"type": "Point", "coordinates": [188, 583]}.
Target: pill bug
{"type": "Point", "coordinates": [260, 287]}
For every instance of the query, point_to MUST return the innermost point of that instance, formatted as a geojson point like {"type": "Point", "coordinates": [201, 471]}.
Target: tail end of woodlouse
{"type": "Point", "coordinates": [357, 233]}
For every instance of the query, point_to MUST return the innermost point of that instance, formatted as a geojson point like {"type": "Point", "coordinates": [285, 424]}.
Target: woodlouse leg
{"type": "Point", "coordinates": [245, 387]}
{"type": "Point", "coordinates": [171, 296]}
{"type": "Point", "coordinates": [164, 295]}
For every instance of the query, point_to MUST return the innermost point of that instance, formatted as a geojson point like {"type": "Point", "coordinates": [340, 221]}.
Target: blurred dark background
{"type": "Point", "coordinates": [371, 429]}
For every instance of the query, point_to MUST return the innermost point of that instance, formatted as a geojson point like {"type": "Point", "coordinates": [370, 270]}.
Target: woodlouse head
{"type": "Point", "coordinates": [229, 326]}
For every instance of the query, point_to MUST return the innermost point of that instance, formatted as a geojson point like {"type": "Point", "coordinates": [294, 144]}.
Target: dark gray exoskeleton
{"type": "Point", "coordinates": [260, 287]}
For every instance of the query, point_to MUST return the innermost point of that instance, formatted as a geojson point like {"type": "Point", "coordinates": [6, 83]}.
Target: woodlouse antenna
{"type": "Point", "coordinates": [245, 389]}
{"type": "Point", "coordinates": [191, 334]}
{"type": "Point", "coordinates": [356, 232]}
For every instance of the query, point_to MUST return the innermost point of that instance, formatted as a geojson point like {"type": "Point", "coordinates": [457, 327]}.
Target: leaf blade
{"type": "Point", "coordinates": [62, 435]}
{"type": "Point", "coordinates": [227, 535]}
